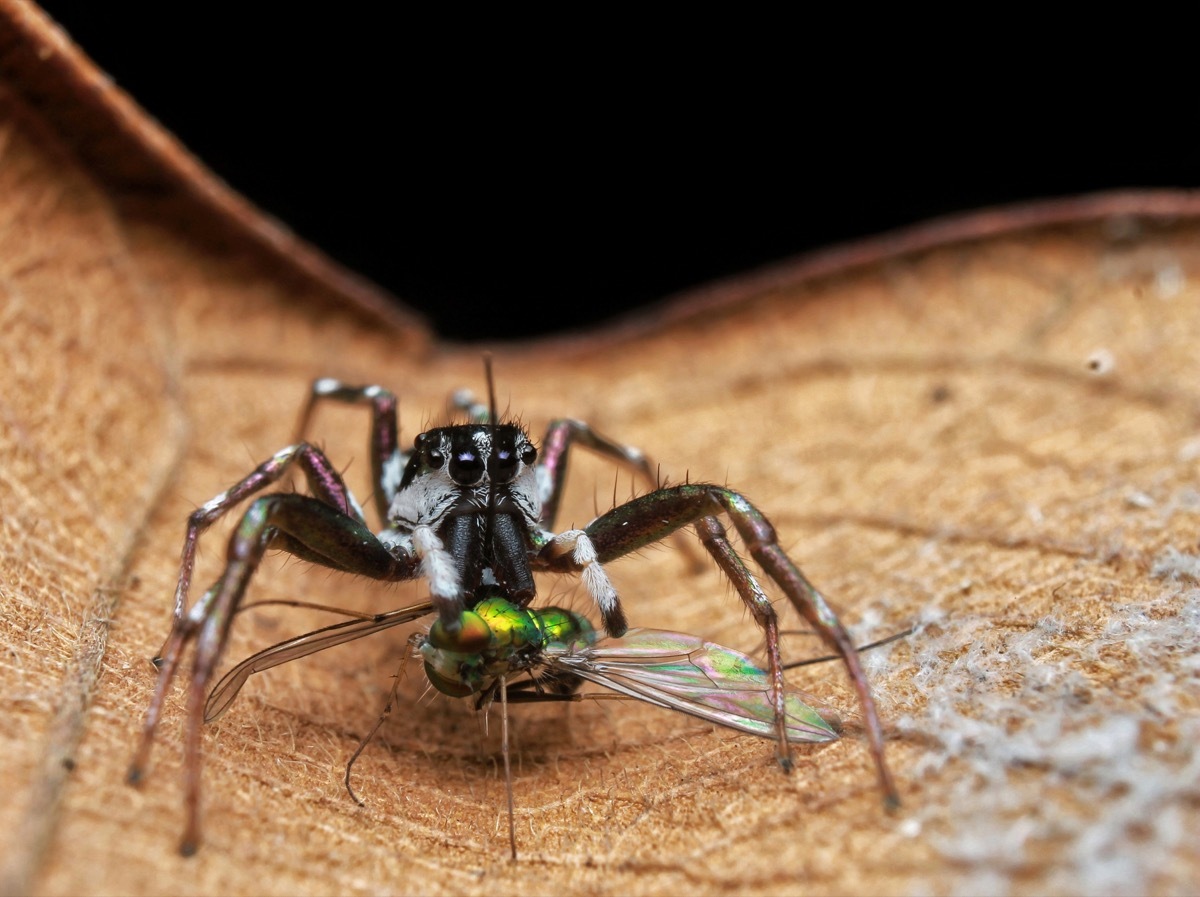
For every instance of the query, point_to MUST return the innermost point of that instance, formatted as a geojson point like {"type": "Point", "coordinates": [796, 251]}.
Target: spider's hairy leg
{"type": "Point", "coordinates": [573, 551]}
{"type": "Point", "coordinates": [323, 479]}
{"type": "Point", "coordinates": [564, 433]}
{"type": "Point", "coordinates": [560, 436]}
{"type": "Point", "coordinates": [306, 527]}
{"type": "Point", "coordinates": [653, 517]}
{"type": "Point", "coordinates": [714, 538]}
{"type": "Point", "coordinates": [387, 461]}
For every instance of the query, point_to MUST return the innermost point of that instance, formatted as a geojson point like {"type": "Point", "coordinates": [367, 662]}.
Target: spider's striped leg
{"type": "Point", "coordinates": [653, 517]}
{"type": "Point", "coordinates": [307, 527]}
{"type": "Point", "coordinates": [323, 479]}
{"type": "Point", "coordinates": [561, 435]}
{"type": "Point", "coordinates": [713, 537]}
{"type": "Point", "coordinates": [387, 461]}
{"type": "Point", "coordinates": [760, 539]}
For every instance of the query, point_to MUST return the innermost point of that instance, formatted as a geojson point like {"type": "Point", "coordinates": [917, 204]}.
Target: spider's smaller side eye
{"type": "Point", "coordinates": [528, 455]}
{"type": "Point", "coordinates": [430, 455]}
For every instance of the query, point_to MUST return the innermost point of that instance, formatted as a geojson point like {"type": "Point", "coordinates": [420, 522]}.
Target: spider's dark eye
{"type": "Point", "coordinates": [528, 455]}
{"type": "Point", "coordinates": [506, 464]}
{"type": "Point", "coordinates": [428, 449]}
{"type": "Point", "coordinates": [466, 467]}
{"type": "Point", "coordinates": [510, 449]}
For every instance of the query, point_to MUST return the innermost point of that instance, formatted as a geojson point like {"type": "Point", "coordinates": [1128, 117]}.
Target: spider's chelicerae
{"type": "Point", "coordinates": [470, 510]}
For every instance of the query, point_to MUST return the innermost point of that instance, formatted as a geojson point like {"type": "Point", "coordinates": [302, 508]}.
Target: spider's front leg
{"type": "Point", "coordinates": [387, 461]}
{"type": "Point", "coordinates": [323, 479]}
{"type": "Point", "coordinates": [653, 517]}
{"type": "Point", "coordinates": [327, 530]}
{"type": "Point", "coordinates": [560, 436]}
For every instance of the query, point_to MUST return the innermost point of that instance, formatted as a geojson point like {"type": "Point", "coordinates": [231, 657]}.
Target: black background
{"type": "Point", "coordinates": [507, 185]}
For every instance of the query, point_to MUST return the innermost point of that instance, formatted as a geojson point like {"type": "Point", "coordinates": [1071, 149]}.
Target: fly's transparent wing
{"type": "Point", "coordinates": [231, 683]}
{"type": "Point", "coordinates": [685, 673]}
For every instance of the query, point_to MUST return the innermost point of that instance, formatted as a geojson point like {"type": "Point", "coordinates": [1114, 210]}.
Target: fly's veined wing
{"type": "Point", "coordinates": [685, 673]}
{"type": "Point", "coordinates": [231, 683]}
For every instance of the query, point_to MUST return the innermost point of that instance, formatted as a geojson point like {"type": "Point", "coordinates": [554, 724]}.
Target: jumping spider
{"type": "Point", "coordinates": [470, 510]}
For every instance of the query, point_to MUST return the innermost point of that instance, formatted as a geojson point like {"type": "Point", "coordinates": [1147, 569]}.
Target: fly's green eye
{"type": "Point", "coordinates": [473, 635]}
{"type": "Point", "coordinates": [455, 688]}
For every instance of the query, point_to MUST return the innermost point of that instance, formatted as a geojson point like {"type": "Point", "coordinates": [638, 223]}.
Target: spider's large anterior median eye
{"type": "Point", "coordinates": [506, 464]}
{"type": "Point", "coordinates": [511, 451]}
{"type": "Point", "coordinates": [466, 467]}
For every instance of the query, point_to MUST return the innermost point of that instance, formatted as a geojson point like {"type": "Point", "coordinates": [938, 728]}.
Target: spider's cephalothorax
{"type": "Point", "coordinates": [468, 503]}
{"type": "Point", "coordinates": [470, 510]}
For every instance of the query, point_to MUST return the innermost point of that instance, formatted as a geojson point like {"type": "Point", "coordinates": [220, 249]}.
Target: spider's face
{"type": "Point", "coordinates": [454, 470]}
{"type": "Point", "coordinates": [471, 455]}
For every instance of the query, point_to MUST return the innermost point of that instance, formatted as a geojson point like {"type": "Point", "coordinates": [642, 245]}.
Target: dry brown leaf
{"type": "Point", "coordinates": [989, 426]}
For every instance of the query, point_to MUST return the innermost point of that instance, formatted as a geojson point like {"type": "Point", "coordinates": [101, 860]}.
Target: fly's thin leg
{"type": "Point", "coordinates": [325, 535]}
{"type": "Point", "coordinates": [323, 479]}
{"type": "Point", "coordinates": [870, 646]}
{"type": "Point", "coordinates": [508, 788]}
{"type": "Point", "coordinates": [387, 461]}
{"type": "Point", "coordinates": [653, 517]}
{"type": "Point", "coordinates": [413, 642]}
{"type": "Point", "coordinates": [714, 539]}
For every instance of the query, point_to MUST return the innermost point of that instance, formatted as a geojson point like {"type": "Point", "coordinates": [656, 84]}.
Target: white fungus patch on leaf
{"type": "Point", "coordinates": [1019, 719]}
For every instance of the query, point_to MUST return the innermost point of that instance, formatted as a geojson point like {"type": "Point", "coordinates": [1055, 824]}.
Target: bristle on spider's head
{"type": "Point", "coordinates": [491, 387]}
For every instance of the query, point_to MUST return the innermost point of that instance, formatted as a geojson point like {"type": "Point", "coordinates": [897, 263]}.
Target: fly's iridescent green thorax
{"type": "Point", "coordinates": [494, 639]}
